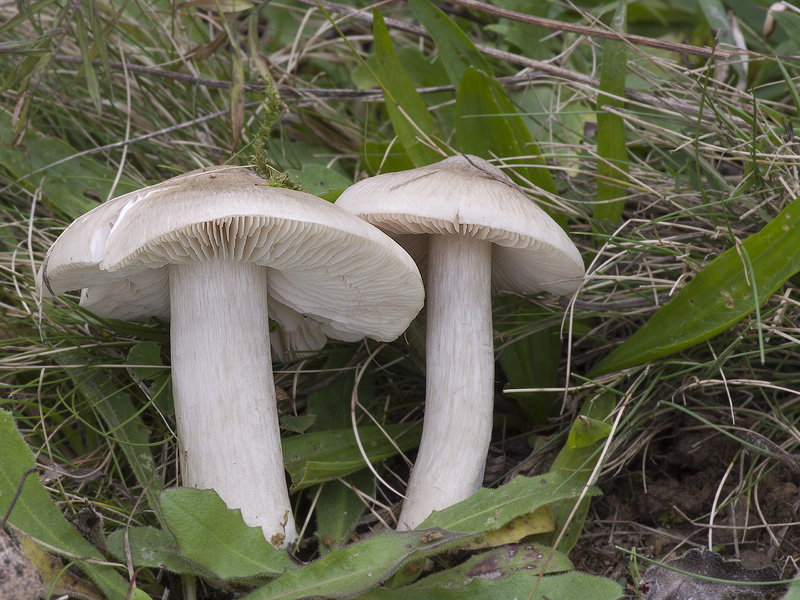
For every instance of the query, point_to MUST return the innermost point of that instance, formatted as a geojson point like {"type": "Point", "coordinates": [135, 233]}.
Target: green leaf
{"type": "Point", "coordinates": [313, 458]}
{"type": "Point", "coordinates": [410, 117]}
{"type": "Point", "coordinates": [339, 509]}
{"type": "Point", "coordinates": [125, 426]}
{"type": "Point", "coordinates": [519, 585]}
{"type": "Point", "coordinates": [489, 509]}
{"type": "Point", "coordinates": [319, 179]}
{"type": "Point", "coordinates": [72, 187]}
{"type": "Point", "coordinates": [457, 51]}
{"type": "Point", "coordinates": [497, 564]}
{"type": "Point", "coordinates": [576, 460]}
{"type": "Point", "coordinates": [487, 124]}
{"type": "Point", "coordinates": [153, 548]}
{"type": "Point", "coordinates": [36, 514]}
{"type": "Point", "coordinates": [146, 353]}
{"type": "Point", "coordinates": [531, 361]}
{"type": "Point", "coordinates": [612, 166]}
{"type": "Point", "coordinates": [356, 568]}
{"type": "Point", "coordinates": [216, 538]}
{"type": "Point", "coordinates": [720, 295]}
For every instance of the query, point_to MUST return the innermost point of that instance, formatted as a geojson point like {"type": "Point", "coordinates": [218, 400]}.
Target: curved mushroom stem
{"type": "Point", "coordinates": [460, 378]}
{"type": "Point", "coordinates": [224, 392]}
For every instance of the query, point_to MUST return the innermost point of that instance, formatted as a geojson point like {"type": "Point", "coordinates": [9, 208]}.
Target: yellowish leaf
{"type": "Point", "coordinates": [539, 521]}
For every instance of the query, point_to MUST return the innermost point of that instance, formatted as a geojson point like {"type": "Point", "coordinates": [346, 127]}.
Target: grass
{"type": "Point", "coordinates": [100, 98]}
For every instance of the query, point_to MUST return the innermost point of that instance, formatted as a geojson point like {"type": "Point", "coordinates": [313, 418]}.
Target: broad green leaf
{"type": "Point", "coordinates": [73, 187]}
{"type": "Point", "coordinates": [457, 51]}
{"type": "Point", "coordinates": [379, 156]}
{"type": "Point", "coordinates": [720, 295]}
{"type": "Point", "coordinates": [531, 361]}
{"type": "Point", "coordinates": [612, 165]}
{"type": "Point", "coordinates": [410, 117]}
{"type": "Point", "coordinates": [519, 585]}
{"type": "Point", "coordinates": [316, 457]}
{"type": "Point", "coordinates": [576, 460]}
{"type": "Point", "coordinates": [356, 568]}
{"type": "Point", "coordinates": [319, 179]}
{"type": "Point", "coordinates": [497, 564]}
{"type": "Point", "coordinates": [487, 124]}
{"type": "Point", "coordinates": [339, 508]}
{"type": "Point", "coordinates": [154, 548]}
{"type": "Point", "coordinates": [146, 353]}
{"type": "Point", "coordinates": [216, 538]}
{"type": "Point", "coordinates": [125, 426]}
{"type": "Point", "coordinates": [489, 509]}
{"type": "Point", "coordinates": [35, 514]}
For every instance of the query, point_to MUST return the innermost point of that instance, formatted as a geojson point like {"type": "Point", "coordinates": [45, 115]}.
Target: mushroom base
{"type": "Point", "coordinates": [224, 391]}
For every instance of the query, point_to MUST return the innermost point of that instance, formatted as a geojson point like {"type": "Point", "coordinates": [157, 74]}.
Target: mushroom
{"type": "Point", "coordinates": [214, 250]}
{"type": "Point", "coordinates": [472, 229]}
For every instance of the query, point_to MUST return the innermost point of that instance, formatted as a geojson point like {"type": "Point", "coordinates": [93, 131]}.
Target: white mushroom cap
{"type": "Point", "coordinates": [466, 195]}
{"type": "Point", "coordinates": [323, 262]}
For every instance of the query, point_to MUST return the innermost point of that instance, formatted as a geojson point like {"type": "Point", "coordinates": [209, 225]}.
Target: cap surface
{"type": "Point", "coordinates": [465, 195]}
{"type": "Point", "coordinates": [323, 262]}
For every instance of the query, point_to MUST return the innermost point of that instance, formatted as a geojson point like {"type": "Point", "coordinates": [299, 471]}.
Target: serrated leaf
{"type": "Point", "coordinates": [313, 458]}
{"type": "Point", "coordinates": [539, 521]}
{"type": "Point", "coordinates": [497, 564]}
{"type": "Point", "coordinates": [519, 585]}
{"type": "Point", "coordinates": [490, 509]}
{"type": "Point", "coordinates": [55, 576]}
{"type": "Point", "coordinates": [216, 538]}
{"type": "Point", "coordinates": [612, 166]}
{"type": "Point", "coordinates": [410, 117]}
{"type": "Point", "coordinates": [457, 51]}
{"type": "Point", "coordinates": [353, 569]}
{"type": "Point", "coordinates": [722, 294]}
{"type": "Point", "coordinates": [35, 514]}
{"type": "Point", "coordinates": [153, 548]}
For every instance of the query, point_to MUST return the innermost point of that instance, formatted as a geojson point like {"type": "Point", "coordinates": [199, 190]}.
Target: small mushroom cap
{"type": "Point", "coordinates": [465, 195]}
{"type": "Point", "coordinates": [323, 262]}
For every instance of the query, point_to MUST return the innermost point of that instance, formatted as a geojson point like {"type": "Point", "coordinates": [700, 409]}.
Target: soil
{"type": "Point", "coordinates": [661, 507]}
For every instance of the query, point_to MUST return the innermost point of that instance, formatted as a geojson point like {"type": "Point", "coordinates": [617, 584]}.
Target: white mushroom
{"type": "Point", "coordinates": [473, 230]}
{"type": "Point", "coordinates": [214, 250]}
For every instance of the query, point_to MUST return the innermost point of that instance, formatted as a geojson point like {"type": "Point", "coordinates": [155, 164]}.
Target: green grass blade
{"type": "Point", "coordinates": [35, 513]}
{"type": "Point", "coordinates": [410, 117]}
{"type": "Point", "coordinates": [612, 166]}
{"type": "Point", "coordinates": [456, 49]}
{"type": "Point", "coordinates": [116, 409]}
{"type": "Point", "coordinates": [92, 81]}
{"type": "Point", "coordinates": [720, 295]}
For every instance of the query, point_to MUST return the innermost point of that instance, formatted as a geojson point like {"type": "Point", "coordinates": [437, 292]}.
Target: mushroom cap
{"type": "Point", "coordinates": [323, 262]}
{"type": "Point", "coordinates": [465, 195]}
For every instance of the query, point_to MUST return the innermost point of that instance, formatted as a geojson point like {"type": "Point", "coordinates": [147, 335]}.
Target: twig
{"type": "Point", "coordinates": [596, 32]}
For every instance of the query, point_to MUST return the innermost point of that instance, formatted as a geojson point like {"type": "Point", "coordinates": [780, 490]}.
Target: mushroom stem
{"type": "Point", "coordinates": [224, 392]}
{"type": "Point", "coordinates": [460, 378]}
